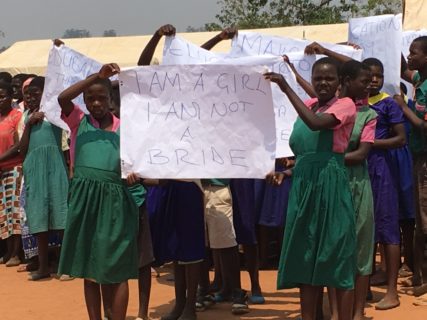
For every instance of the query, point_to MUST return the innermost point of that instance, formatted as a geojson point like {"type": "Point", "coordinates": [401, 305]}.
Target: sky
{"type": "Point", "coordinates": [48, 19]}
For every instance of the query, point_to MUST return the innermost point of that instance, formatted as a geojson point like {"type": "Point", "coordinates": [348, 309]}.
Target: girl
{"type": "Point", "coordinates": [102, 223]}
{"type": "Point", "coordinates": [46, 181]}
{"type": "Point", "coordinates": [320, 241]}
{"type": "Point", "coordinates": [389, 134]}
{"type": "Point", "coordinates": [10, 175]}
{"type": "Point", "coordinates": [361, 140]}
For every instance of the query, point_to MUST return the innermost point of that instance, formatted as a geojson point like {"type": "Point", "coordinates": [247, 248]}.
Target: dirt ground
{"type": "Point", "coordinates": [53, 299]}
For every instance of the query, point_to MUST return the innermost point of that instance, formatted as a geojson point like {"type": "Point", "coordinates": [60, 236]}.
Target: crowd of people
{"type": "Point", "coordinates": [355, 186]}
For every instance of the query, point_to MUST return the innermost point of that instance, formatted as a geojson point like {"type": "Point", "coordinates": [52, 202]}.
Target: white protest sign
{"type": "Point", "coordinates": [285, 113]}
{"type": "Point", "coordinates": [407, 38]}
{"type": "Point", "coordinates": [179, 51]}
{"type": "Point", "coordinates": [196, 121]}
{"type": "Point", "coordinates": [381, 38]}
{"type": "Point", "coordinates": [65, 67]}
{"type": "Point", "coordinates": [252, 43]}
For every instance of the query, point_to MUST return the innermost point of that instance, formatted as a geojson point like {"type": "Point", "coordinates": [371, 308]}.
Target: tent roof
{"type": "Point", "coordinates": [31, 56]}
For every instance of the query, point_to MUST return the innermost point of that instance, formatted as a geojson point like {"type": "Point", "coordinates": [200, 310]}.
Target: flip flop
{"type": "Point", "coordinates": [38, 276]}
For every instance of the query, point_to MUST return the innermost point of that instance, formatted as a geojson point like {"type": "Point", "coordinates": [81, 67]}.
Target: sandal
{"type": "Point", "coordinates": [384, 306]}
{"type": "Point", "coordinates": [256, 299]}
{"type": "Point", "coordinates": [38, 276]}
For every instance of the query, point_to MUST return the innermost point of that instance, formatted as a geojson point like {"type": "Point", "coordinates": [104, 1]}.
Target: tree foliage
{"type": "Point", "coordinates": [76, 33]}
{"type": "Point", "coordinates": [110, 33]}
{"type": "Point", "coordinates": [251, 14]}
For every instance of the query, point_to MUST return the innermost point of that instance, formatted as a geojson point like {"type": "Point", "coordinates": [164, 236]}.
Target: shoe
{"type": "Point", "coordinates": [240, 305]}
{"type": "Point", "coordinates": [220, 297]}
{"type": "Point", "coordinates": [38, 276]}
{"type": "Point", "coordinates": [256, 299]}
{"type": "Point", "coordinates": [13, 262]}
{"type": "Point", "coordinates": [65, 277]}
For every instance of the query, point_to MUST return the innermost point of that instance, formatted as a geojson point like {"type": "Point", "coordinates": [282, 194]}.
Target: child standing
{"type": "Point", "coordinates": [100, 243]}
{"type": "Point", "coordinates": [46, 180]}
{"type": "Point", "coordinates": [389, 134]}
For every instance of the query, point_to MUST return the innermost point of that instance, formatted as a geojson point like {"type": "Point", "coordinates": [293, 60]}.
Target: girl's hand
{"type": "Point", "coordinates": [132, 179]}
{"type": "Point", "coordinates": [276, 78]}
{"type": "Point", "coordinates": [108, 70]}
{"type": "Point", "coordinates": [58, 42]}
{"type": "Point", "coordinates": [400, 101]}
{"type": "Point", "coordinates": [355, 46]}
{"type": "Point", "coordinates": [228, 33]}
{"type": "Point", "coordinates": [275, 178]}
{"type": "Point", "coordinates": [314, 48]}
{"type": "Point", "coordinates": [35, 118]}
{"type": "Point", "coordinates": [166, 30]}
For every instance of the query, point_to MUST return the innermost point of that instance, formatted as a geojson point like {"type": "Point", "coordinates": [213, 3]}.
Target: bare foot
{"type": "Point", "coordinates": [388, 302]}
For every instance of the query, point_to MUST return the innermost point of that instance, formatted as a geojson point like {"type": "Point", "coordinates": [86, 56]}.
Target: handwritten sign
{"type": "Point", "coordinates": [179, 51]}
{"type": "Point", "coordinates": [380, 37]}
{"type": "Point", "coordinates": [196, 121]}
{"type": "Point", "coordinates": [65, 67]}
{"type": "Point", "coordinates": [285, 113]}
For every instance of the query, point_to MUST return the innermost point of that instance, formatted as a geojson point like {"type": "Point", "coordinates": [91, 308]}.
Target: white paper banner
{"type": "Point", "coordinates": [179, 51]}
{"type": "Point", "coordinates": [407, 38]}
{"type": "Point", "coordinates": [253, 43]}
{"type": "Point", "coordinates": [284, 111]}
{"type": "Point", "coordinates": [381, 38]}
{"type": "Point", "coordinates": [196, 121]}
{"type": "Point", "coordinates": [65, 67]}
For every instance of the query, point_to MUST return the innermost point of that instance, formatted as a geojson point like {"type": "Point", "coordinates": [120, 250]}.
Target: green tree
{"type": "Point", "coordinates": [76, 33]}
{"type": "Point", "coordinates": [251, 14]}
{"type": "Point", "coordinates": [110, 33]}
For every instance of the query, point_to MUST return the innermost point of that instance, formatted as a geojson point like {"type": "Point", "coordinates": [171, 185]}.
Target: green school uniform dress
{"type": "Point", "coordinates": [360, 186]}
{"type": "Point", "coordinates": [100, 240]}
{"type": "Point", "coordinates": [46, 179]}
{"type": "Point", "coordinates": [320, 239]}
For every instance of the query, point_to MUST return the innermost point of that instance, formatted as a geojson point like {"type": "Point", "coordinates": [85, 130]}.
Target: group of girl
{"type": "Point", "coordinates": [345, 197]}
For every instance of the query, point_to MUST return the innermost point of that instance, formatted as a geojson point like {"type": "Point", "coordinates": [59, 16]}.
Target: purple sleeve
{"type": "Point", "coordinates": [394, 112]}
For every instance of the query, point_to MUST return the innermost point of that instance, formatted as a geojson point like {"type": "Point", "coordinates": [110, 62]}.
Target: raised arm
{"type": "Point", "coordinates": [66, 97]}
{"type": "Point", "coordinates": [313, 121]}
{"type": "Point", "coordinates": [308, 88]}
{"type": "Point", "coordinates": [148, 52]}
{"type": "Point", "coordinates": [405, 73]}
{"type": "Point", "coordinates": [409, 114]}
{"type": "Point", "coordinates": [226, 34]}
{"type": "Point", "coordinates": [316, 48]}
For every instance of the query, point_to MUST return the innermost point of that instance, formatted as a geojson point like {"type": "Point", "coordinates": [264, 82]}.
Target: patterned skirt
{"type": "Point", "coordinates": [10, 215]}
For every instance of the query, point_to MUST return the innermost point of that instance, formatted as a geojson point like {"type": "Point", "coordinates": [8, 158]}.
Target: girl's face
{"type": "Point", "coordinates": [417, 59]}
{"type": "Point", "coordinates": [5, 100]}
{"type": "Point", "coordinates": [97, 100]}
{"type": "Point", "coordinates": [358, 87]}
{"type": "Point", "coordinates": [34, 97]}
{"type": "Point", "coordinates": [325, 81]}
{"type": "Point", "coordinates": [377, 80]}
{"type": "Point", "coordinates": [17, 88]}
{"type": "Point", "coordinates": [26, 96]}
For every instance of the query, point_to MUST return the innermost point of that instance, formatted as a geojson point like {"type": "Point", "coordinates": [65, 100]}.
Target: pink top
{"type": "Point", "coordinates": [344, 110]}
{"type": "Point", "coordinates": [9, 127]}
{"type": "Point", "coordinates": [368, 132]}
{"type": "Point", "coordinates": [73, 121]}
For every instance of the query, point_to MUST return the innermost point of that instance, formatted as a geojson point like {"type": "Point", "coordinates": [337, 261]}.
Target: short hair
{"type": "Point", "coordinates": [37, 82]}
{"type": "Point", "coordinates": [327, 60]}
{"type": "Point", "coordinates": [352, 69]}
{"type": "Point", "coordinates": [21, 76]}
{"type": "Point", "coordinates": [7, 87]}
{"type": "Point", "coordinates": [374, 62]}
{"type": "Point", "coordinates": [106, 83]}
{"type": "Point", "coordinates": [5, 77]}
{"type": "Point", "coordinates": [423, 41]}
